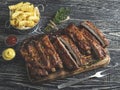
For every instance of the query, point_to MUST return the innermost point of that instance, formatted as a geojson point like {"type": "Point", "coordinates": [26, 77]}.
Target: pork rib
{"type": "Point", "coordinates": [98, 51]}
{"type": "Point", "coordinates": [31, 64]}
{"type": "Point", "coordinates": [51, 52]}
{"type": "Point", "coordinates": [89, 36]}
{"type": "Point", "coordinates": [78, 38]}
{"type": "Point", "coordinates": [73, 50]}
{"type": "Point", "coordinates": [96, 32]}
{"type": "Point", "coordinates": [44, 59]}
{"type": "Point", "coordinates": [96, 46]}
{"type": "Point", "coordinates": [66, 57]}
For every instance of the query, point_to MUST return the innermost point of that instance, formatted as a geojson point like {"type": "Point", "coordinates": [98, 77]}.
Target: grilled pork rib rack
{"type": "Point", "coordinates": [73, 48]}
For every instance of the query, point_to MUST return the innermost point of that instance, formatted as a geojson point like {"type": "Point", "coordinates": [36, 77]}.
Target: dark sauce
{"type": "Point", "coordinates": [11, 40]}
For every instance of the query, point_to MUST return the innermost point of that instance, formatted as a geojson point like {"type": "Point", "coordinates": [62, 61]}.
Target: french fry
{"type": "Point", "coordinates": [24, 15]}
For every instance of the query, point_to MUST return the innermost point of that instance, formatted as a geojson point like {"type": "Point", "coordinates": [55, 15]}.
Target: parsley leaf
{"type": "Point", "coordinates": [60, 16]}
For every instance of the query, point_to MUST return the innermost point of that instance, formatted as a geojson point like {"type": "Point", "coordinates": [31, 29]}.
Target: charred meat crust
{"type": "Point", "coordinates": [99, 51]}
{"type": "Point", "coordinates": [73, 50]}
{"type": "Point", "coordinates": [93, 41]}
{"type": "Point", "coordinates": [96, 32]}
{"type": "Point", "coordinates": [44, 61]}
{"type": "Point", "coordinates": [89, 37]}
{"type": "Point", "coordinates": [36, 72]}
{"type": "Point", "coordinates": [89, 41]}
{"type": "Point", "coordinates": [78, 38]}
{"type": "Point", "coordinates": [32, 64]}
{"type": "Point", "coordinates": [65, 55]}
{"type": "Point", "coordinates": [51, 52]}
{"type": "Point", "coordinates": [96, 47]}
{"type": "Point", "coordinates": [69, 49]}
{"type": "Point", "coordinates": [41, 54]}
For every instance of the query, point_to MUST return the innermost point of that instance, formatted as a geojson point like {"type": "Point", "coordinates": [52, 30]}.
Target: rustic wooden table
{"type": "Point", "coordinates": [105, 14]}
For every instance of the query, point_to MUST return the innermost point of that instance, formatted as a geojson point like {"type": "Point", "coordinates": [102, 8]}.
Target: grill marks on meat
{"type": "Point", "coordinates": [36, 72]}
{"type": "Point", "coordinates": [37, 61]}
{"type": "Point", "coordinates": [77, 36]}
{"type": "Point", "coordinates": [26, 55]}
{"type": "Point", "coordinates": [33, 52]}
{"type": "Point", "coordinates": [66, 57]}
{"type": "Point", "coordinates": [87, 42]}
{"type": "Point", "coordinates": [96, 48]}
{"type": "Point", "coordinates": [89, 36]}
{"type": "Point", "coordinates": [41, 56]}
{"type": "Point", "coordinates": [31, 64]}
{"type": "Point", "coordinates": [99, 51]}
{"type": "Point", "coordinates": [71, 49]}
{"type": "Point", "coordinates": [96, 39]}
{"type": "Point", "coordinates": [96, 32]}
{"type": "Point", "coordinates": [50, 52]}
{"type": "Point", "coordinates": [45, 61]}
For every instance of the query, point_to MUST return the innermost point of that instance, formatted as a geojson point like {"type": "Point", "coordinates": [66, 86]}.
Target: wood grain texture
{"type": "Point", "coordinates": [105, 14]}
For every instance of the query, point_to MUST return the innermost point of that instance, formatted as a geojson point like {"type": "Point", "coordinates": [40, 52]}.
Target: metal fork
{"type": "Point", "coordinates": [96, 75]}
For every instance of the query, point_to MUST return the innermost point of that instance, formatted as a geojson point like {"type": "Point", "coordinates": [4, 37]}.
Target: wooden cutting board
{"type": "Point", "coordinates": [63, 73]}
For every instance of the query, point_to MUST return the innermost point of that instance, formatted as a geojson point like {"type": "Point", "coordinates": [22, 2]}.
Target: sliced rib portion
{"type": "Point", "coordinates": [89, 37]}
{"type": "Point", "coordinates": [73, 50]}
{"type": "Point", "coordinates": [44, 61]}
{"type": "Point", "coordinates": [98, 51]}
{"type": "Point", "coordinates": [51, 53]}
{"type": "Point", "coordinates": [36, 72]}
{"type": "Point", "coordinates": [78, 38]}
{"type": "Point", "coordinates": [96, 32]}
{"type": "Point", "coordinates": [65, 55]}
{"type": "Point", "coordinates": [32, 64]}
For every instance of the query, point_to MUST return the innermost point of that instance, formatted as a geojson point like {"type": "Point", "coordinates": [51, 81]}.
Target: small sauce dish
{"type": "Point", "coordinates": [11, 40]}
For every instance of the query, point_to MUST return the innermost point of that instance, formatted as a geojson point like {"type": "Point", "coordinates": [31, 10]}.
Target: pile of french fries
{"type": "Point", "coordinates": [24, 15]}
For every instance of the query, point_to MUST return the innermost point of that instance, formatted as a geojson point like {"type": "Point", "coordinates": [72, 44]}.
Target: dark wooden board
{"type": "Point", "coordinates": [63, 73]}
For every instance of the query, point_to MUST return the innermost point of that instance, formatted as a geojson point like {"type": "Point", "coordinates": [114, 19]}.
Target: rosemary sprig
{"type": "Point", "coordinates": [60, 16]}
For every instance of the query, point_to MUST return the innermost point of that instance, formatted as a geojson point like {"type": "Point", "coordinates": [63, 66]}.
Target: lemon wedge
{"type": "Point", "coordinates": [8, 54]}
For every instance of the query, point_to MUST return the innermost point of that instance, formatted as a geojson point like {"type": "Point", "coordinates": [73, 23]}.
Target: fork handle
{"type": "Point", "coordinates": [69, 83]}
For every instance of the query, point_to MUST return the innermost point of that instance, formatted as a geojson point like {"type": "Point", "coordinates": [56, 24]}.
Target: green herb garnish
{"type": "Point", "coordinates": [61, 15]}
